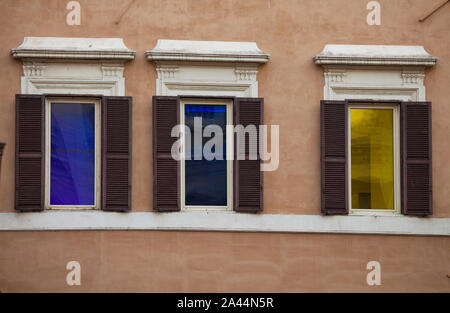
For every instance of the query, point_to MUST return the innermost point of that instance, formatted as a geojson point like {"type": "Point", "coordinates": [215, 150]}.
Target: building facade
{"type": "Point", "coordinates": [350, 196]}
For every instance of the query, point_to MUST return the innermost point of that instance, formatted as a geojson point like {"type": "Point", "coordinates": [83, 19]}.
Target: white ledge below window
{"type": "Point", "coordinates": [224, 222]}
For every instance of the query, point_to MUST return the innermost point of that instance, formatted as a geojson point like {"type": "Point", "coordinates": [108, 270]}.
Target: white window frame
{"type": "Point", "coordinates": [230, 145]}
{"type": "Point", "coordinates": [395, 107]}
{"type": "Point", "coordinates": [97, 171]}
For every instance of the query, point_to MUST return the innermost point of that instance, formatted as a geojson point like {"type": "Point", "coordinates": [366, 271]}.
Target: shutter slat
{"type": "Point", "coordinates": [248, 177]}
{"type": "Point", "coordinates": [116, 154]}
{"type": "Point", "coordinates": [29, 169]}
{"type": "Point", "coordinates": [333, 138]}
{"type": "Point", "coordinates": [416, 158]}
{"type": "Point", "coordinates": [166, 170]}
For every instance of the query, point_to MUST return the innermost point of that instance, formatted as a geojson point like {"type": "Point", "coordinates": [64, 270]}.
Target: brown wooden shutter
{"type": "Point", "coordinates": [116, 153]}
{"type": "Point", "coordinates": [333, 143]}
{"type": "Point", "coordinates": [248, 177]}
{"type": "Point", "coordinates": [30, 146]}
{"type": "Point", "coordinates": [416, 158]}
{"type": "Point", "coordinates": [166, 170]}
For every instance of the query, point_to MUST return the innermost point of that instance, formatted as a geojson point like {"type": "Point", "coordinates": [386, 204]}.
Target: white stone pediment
{"type": "Point", "coordinates": [210, 68]}
{"type": "Point", "coordinates": [376, 72]}
{"type": "Point", "coordinates": [73, 65]}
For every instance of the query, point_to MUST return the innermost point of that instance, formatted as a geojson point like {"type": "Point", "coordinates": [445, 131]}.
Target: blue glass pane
{"type": "Point", "coordinates": [206, 181]}
{"type": "Point", "coordinates": [72, 154]}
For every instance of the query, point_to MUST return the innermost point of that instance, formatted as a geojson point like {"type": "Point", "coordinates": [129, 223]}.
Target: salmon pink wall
{"type": "Point", "coordinates": [292, 32]}
{"type": "Point", "coordinates": [138, 261]}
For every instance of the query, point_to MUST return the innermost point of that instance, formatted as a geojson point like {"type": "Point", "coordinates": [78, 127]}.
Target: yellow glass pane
{"type": "Point", "coordinates": [372, 159]}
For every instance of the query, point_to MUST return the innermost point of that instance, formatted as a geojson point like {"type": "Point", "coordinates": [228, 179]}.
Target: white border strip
{"type": "Point", "coordinates": [224, 221]}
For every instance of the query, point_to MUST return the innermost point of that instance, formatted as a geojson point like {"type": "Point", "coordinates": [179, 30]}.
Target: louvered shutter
{"type": "Point", "coordinates": [116, 153]}
{"type": "Point", "coordinates": [248, 178]}
{"type": "Point", "coordinates": [416, 158]}
{"type": "Point", "coordinates": [166, 170]}
{"type": "Point", "coordinates": [30, 143]}
{"type": "Point", "coordinates": [333, 138]}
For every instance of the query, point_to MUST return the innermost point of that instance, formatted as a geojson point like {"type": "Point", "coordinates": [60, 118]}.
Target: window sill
{"type": "Point", "coordinates": [373, 213]}
{"type": "Point", "coordinates": [64, 220]}
{"type": "Point", "coordinates": [81, 209]}
{"type": "Point", "coordinates": [208, 210]}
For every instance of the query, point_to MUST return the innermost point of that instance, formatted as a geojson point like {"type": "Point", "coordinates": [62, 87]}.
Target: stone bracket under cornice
{"type": "Point", "coordinates": [207, 51]}
{"type": "Point", "coordinates": [73, 48]}
{"type": "Point", "coordinates": [387, 55]}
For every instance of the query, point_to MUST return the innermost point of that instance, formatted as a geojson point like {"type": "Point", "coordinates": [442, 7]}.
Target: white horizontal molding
{"type": "Point", "coordinates": [224, 221]}
{"type": "Point", "coordinates": [213, 89]}
{"type": "Point", "coordinates": [113, 87]}
{"type": "Point", "coordinates": [380, 93]}
{"type": "Point", "coordinates": [207, 51]}
{"type": "Point", "coordinates": [73, 48]}
{"type": "Point", "coordinates": [381, 55]}
{"type": "Point", "coordinates": [374, 82]}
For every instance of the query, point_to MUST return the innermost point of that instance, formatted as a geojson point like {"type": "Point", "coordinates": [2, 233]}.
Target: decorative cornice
{"type": "Point", "coordinates": [73, 48]}
{"type": "Point", "coordinates": [206, 51]}
{"type": "Point", "coordinates": [375, 55]}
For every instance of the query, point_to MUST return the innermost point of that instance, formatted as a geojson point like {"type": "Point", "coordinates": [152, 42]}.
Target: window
{"type": "Point", "coordinates": [72, 153]}
{"type": "Point", "coordinates": [372, 163]}
{"type": "Point", "coordinates": [373, 158]}
{"type": "Point", "coordinates": [229, 184]}
{"type": "Point", "coordinates": [206, 180]}
{"type": "Point", "coordinates": [73, 125]}
{"type": "Point", "coordinates": [376, 157]}
{"type": "Point", "coordinates": [225, 73]}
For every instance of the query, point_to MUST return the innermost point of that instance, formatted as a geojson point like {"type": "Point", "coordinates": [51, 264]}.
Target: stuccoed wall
{"type": "Point", "coordinates": [292, 32]}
